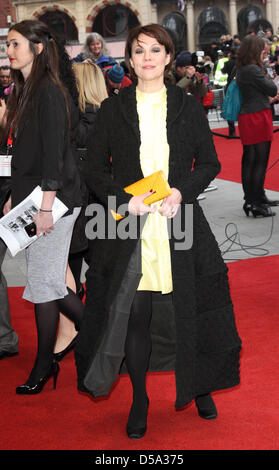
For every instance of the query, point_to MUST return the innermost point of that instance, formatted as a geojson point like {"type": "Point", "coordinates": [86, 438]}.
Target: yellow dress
{"type": "Point", "coordinates": [154, 156]}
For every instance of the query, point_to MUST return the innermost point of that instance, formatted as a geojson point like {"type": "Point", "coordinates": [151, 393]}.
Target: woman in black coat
{"type": "Point", "coordinates": [37, 121]}
{"type": "Point", "coordinates": [91, 93]}
{"type": "Point", "coordinates": [171, 309]}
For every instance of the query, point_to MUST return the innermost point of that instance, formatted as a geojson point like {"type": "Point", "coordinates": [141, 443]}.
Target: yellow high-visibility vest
{"type": "Point", "coordinates": [220, 78]}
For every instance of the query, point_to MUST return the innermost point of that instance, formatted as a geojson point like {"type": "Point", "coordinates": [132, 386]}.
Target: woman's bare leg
{"type": "Point", "coordinates": [67, 330]}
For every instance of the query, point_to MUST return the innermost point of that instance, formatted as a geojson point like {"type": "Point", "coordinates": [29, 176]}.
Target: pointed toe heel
{"type": "Point", "coordinates": [60, 355]}
{"type": "Point", "coordinates": [262, 211]}
{"type": "Point", "coordinates": [258, 211]}
{"type": "Point", "coordinates": [27, 389]}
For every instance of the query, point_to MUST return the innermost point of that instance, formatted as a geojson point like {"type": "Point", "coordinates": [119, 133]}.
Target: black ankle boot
{"type": "Point", "coordinates": [206, 406]}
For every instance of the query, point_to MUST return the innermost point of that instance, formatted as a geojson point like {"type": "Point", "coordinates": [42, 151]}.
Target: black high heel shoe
{"type": "Point", "coordinates": [61, 354]}
{"type": "Point", "coordinates": [26, 389]}
{"type": "Point", "coordinates": [269, 202]}
{"type": "Point", "coordinates": [247, 207]}
{"type": "Point", "coordinates": [137, 432]}
{"type": "Point", "coordinates": [258, 211]}
{"type": "Point", "coordinates": [206, 406]}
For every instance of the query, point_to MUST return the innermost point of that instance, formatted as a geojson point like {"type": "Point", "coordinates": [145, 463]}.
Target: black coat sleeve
{"type": "Point", "coordinates": [85, 126]}
{"type": "Point", "coordinates": [53, 130]}
{"type": "Point", "coordinates": [98, 165]}
{"type": "Point", "coordinates": [206, 164]}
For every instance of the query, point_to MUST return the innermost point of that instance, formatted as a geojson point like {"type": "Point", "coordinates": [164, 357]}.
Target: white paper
{"type": "Point", "coordinates": [5, 165]}
{"type": "Point", "coordinates": [12, 225]}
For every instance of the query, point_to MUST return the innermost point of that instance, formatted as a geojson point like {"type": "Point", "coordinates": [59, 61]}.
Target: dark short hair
{"type": "Point", "coordinates": [250, 51]}
{"type": "Point", "coordinates": [154, 31]}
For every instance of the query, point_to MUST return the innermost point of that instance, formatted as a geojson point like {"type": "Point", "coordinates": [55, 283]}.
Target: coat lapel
{"type": "Point", "coordinates": [128, 106]}
{"type": "Point", "coordinates": [175, 103]}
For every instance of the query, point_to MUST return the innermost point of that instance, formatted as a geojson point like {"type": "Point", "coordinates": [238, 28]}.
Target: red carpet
{"type": "Point", "coordinates": [229, 152]}
{"type": "Point", "coordinates": [67, 419]}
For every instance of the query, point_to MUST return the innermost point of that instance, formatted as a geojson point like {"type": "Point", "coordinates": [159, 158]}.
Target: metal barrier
{"type": "Point", "coordinates": [218, 98]}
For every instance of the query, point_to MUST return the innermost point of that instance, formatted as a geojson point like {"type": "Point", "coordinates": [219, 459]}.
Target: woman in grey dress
{"type": "Point", "coordinates": [37, 120]}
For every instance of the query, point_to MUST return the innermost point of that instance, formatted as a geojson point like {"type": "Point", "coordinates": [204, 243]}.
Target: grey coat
{"type": "Point", "coordinates": [255, 88]}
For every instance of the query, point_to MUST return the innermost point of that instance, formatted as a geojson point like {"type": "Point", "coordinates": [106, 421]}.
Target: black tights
{"type": "Point", "coordinates": [47, 317]}
{"type": "Point", "coordinates": [138, 350]}
{"type": "Point", "coordinates": [254, 165]}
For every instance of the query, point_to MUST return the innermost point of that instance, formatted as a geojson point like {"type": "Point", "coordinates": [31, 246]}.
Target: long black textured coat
{"type": "Point", "coordinates": [193, 332]}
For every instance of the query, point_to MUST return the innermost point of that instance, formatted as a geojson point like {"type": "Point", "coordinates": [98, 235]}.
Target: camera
{"type": "Point", "coordinates": [200, 54]}
{"type": "Point", "coordinates": [114, 91]}
{"type": "Point", "coordinates": [200, 68]}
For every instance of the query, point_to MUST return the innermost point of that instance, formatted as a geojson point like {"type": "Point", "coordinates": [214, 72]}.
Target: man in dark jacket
{"type": "Point", "coordinates": [8, 337]}
{"type": "Point", "coordinates": [186, 76]}
{"type": "Point", "coordinates": [5, 80]}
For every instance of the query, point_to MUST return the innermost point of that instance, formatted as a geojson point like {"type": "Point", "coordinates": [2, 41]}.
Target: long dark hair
{"type": "Point", "coordinates": [45, 67]}
{"type": "Point", "coordinates": [250, 51]}
{"type": "Point", "coordinates": [66, 73]}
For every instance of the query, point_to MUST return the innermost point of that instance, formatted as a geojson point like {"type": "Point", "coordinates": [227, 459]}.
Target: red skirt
{"type": "Point", "coordinates": [255, 127]}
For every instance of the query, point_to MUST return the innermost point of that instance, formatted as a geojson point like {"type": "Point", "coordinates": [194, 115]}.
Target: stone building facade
{"type": "Point", "coordinates": [202, 19]}
{"type": "Point", "coordinates": [7, 14]}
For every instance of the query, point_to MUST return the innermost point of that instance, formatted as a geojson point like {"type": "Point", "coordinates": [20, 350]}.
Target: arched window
{"type": "Point", "coordinates": [175, 24]}
{"type": "Point", "coordinates": [251, 17]}
{"type": "Point", "coordinates": [62, 25]}
{"type": "Point", "coordinates": [114, 22]}
{"type": "Point", "coordinates": [212, 24]}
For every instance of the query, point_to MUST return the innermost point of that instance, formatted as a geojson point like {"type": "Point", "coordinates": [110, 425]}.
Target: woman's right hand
{"type": "Point", "coordinates": [136, 204]}
{"type": "Point", "coordinates": [44, 222]}
{"type": "Point", "coordinates": [7, 206]}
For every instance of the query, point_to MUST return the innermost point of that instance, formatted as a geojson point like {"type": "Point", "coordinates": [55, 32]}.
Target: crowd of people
{"type": "Point", "coordinates": [254, 63]}
{"type": "Point", "coordinates": [85, 128]}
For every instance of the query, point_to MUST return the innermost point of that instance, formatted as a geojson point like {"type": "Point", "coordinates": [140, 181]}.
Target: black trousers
{"type": "Point", "coordinates": [231, 128]}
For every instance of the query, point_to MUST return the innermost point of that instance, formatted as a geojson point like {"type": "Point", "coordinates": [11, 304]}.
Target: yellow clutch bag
{"type": "Point", "coordinates": [156, 182]}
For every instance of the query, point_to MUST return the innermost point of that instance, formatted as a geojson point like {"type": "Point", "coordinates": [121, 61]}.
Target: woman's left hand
{"type": "Point", "coordinates": [275, 98]}
{"type": "Point", "coordinates": [171, 204]}
{"type": "Point", "coordinates": [44, 222]}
